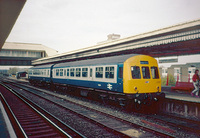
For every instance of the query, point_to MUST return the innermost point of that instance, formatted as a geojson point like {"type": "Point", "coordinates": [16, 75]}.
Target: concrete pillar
{"type": "Point", "coordinates": [184, 74]}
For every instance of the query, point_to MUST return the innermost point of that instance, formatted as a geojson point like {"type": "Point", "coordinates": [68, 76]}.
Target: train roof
{"type": "Point", "coordinates": [97, 61]}
{"type": "Point", "coordinates": [42, 66]}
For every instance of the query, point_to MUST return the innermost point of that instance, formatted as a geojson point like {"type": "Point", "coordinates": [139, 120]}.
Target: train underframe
{"type": "Point", "coordinates": [135, 102]}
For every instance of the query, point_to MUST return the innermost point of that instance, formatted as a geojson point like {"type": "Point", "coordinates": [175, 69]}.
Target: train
{"type": "Point", "coordinates": [127, 79]}
{"type": "Point", "coordinates": [22, 75]}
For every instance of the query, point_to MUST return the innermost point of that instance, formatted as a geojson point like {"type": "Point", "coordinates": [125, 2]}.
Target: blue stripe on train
{"type": "Point", "coordinates": [39, 78]}
{"type": "Point", "coordinates": [91, 84]}
{"type": "Point", "coordinates": [117, 87]}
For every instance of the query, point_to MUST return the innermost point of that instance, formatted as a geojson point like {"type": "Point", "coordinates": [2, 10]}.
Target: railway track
{"type": "Point", "coordinates": [28, 121]}
{"type": "Point", "coordinates": [172, 126]}
{"type": "Point", "coordinates": [120, 127]}
{"type": "Point", "coordinates": [179, 122]}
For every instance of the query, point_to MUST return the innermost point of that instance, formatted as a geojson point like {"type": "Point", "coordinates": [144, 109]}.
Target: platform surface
{"type": "Point", "coordinates": [3, 128]}
{"type": "Point", "coordinates": [6, 130]}
{"type": "Point", "coordinates": [179, 95]}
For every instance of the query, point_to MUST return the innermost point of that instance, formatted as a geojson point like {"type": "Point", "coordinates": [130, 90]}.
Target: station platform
{"type": "Point", "coordinates": [179, 95]}
{"type": "Point", "coordinates": [6, 130]}
{"type": "Point", "coordinates": [180, 103]}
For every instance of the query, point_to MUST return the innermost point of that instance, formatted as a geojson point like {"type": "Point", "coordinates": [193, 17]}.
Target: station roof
{"type": "Point", "coordinates": [9, 12]}
{"type": "Point", "coordinates": [180, 39]}
{"type": "Point", "coordinates": [28, 47]}
{"type": "Point", "coordinates": [196, 65]}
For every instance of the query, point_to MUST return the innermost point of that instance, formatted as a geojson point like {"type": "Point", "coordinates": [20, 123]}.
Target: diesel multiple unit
{"type": "Point", "coordinates": [124, 78]}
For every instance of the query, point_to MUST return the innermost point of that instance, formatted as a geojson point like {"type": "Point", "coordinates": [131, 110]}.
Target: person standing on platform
{"type": "Point", "coordinates": [195, 79]}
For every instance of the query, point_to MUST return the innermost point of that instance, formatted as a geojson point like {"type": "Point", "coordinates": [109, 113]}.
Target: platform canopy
{"type": "Point", "coordinates": [180, 39]}
{"type": "Point", "coordinates": [9, 12]}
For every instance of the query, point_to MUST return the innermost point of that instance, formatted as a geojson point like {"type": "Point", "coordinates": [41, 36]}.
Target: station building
{"type": "Point", "coordinates": [181, 72]}
{"type": "Point", "coordinates": [21, 54]}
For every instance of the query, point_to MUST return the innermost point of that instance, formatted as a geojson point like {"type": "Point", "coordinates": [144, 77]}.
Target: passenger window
{"type": "Point", "coordinates": [109, 73]}
{"type": "Point", "coordinates": [64, 72]}
{"type": "Point", "coordinates": [90, 72]}
{"type": "Point", "coordinates": [78, 72]}
{"type": "Point", "coordinates": [84, 72]}
{"type": "Point", "coordinates": [72, 72]}
{"type": "Point", "coordinates": [68, 72]}
{"type": "Point", "coordinates": [145, 73]}
{"type": "Point", "coordinates": [29, 72]}
{"type": "Point", "coordinates": [120, 72]}
{"type": "Point", "coordinates": [61, 72]}
{"type": "Point", "coordinates": [154, 72]}
{"type": "Point", "coordinates": [99, 72]}
{"type": "Point", "coordinates": [135, 70]}
{"type": "Point", "coordinates": [45, 72]}
{"type": "Point", "coordinates": [57, 72]}
{"type": "Point", "coordinates": [34, 72]}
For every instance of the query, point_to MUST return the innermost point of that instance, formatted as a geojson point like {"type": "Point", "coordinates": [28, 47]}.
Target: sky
{"type": "Point", "coordinates": [67, 25]}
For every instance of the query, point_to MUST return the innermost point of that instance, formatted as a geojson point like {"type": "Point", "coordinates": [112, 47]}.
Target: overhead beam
{"type": "Point", "coordinates": [9, 12]}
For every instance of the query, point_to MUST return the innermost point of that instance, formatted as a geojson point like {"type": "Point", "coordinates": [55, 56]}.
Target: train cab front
{"type": "Point", "coordinates": [141, 79]}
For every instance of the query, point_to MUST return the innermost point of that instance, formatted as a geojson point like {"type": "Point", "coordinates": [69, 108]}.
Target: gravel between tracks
{"type": "Point", "coordinates": [80, 125]}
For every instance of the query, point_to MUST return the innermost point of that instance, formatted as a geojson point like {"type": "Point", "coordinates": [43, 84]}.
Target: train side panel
{"type": "Point", "coordinates": [41, 75]}
{"type": "Point", "coordinates": [102, 77]}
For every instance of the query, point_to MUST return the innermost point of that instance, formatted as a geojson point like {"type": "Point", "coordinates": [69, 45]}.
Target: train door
{"type": "Point", "coordinates": [120, 78]}
{"type": "Point", "coordinates": [51, 74]}
{"type": "Point", "coordinates": [91, 73]}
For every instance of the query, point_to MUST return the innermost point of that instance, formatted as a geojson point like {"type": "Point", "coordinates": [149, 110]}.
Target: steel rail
{"type": "Point", "coordinates": [125, 121]}
{"type": "Point", "coordinates": [19, 131]}
{"type": "Point", "coordinates": [38, 112]}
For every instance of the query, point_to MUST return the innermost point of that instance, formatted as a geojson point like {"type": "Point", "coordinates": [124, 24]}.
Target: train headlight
{"type": "Point", "coordinates": [136, 100]}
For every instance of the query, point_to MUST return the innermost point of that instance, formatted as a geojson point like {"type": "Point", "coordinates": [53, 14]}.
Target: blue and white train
{"type": "Point", "coordinates": [126, 77]}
